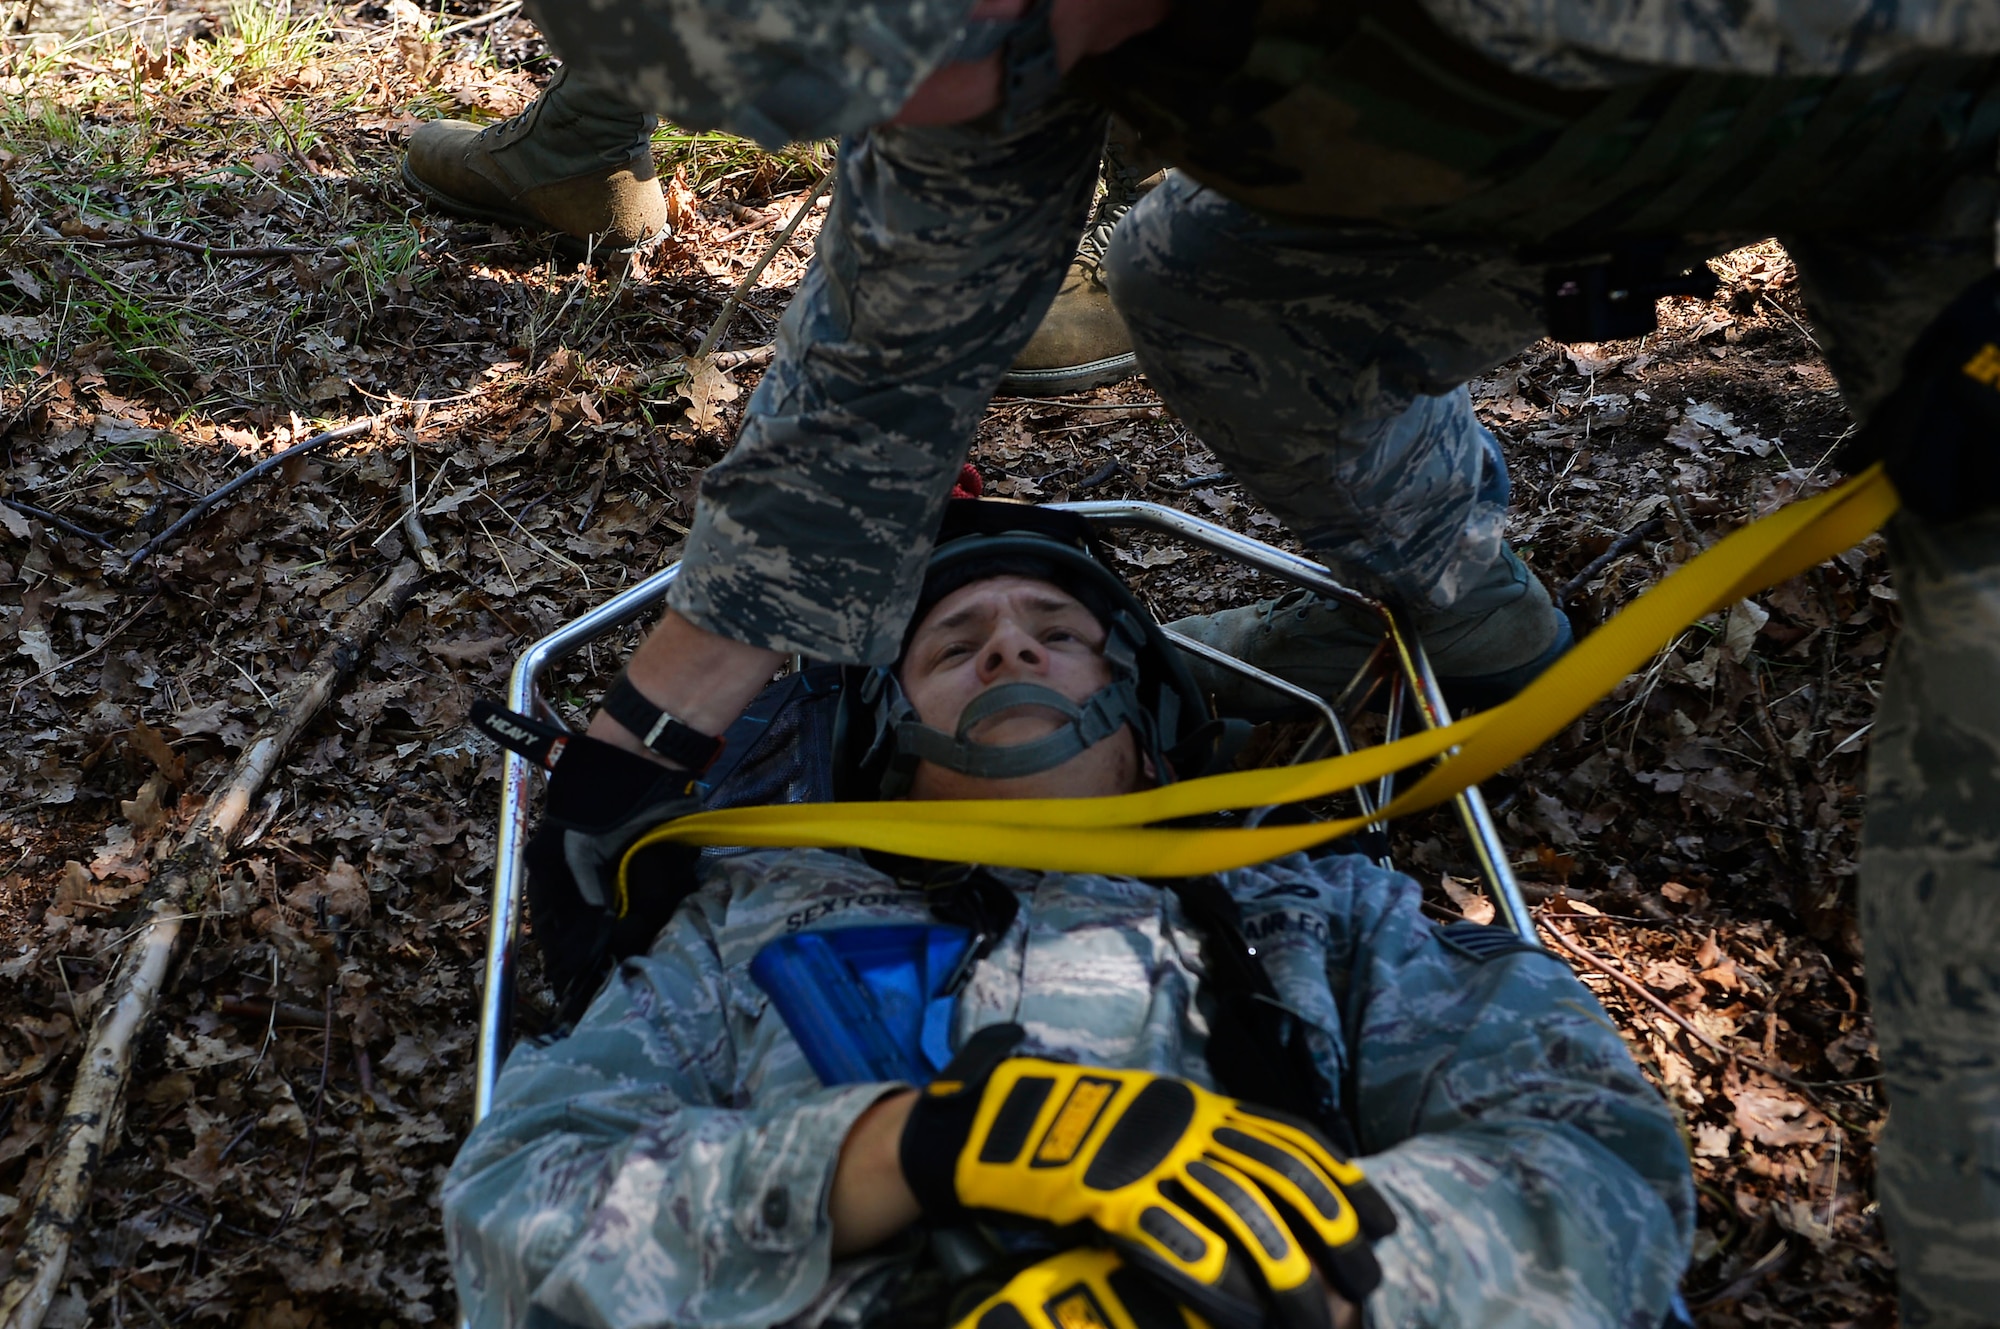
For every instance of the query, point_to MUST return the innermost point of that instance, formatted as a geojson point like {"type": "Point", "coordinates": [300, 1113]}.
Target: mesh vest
{"type": "Point", "coordinates": [1367, 111]}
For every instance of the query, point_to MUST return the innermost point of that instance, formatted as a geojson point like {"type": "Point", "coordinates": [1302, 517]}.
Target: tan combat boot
{"type": "Point", "coordinates": [577, 161]}
{"type": "Point", "coordinates": [1082, 342]}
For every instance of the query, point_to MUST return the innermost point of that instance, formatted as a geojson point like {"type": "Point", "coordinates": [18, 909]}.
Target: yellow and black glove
{"type": "Point", "coordinates": [1087, 1288]}
{"type": "Point", "coordinates": [1238, 1210]}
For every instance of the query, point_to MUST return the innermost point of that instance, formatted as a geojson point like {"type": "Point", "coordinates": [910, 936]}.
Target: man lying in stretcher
{"type": "Point", "coordinates": [1281, 1096]}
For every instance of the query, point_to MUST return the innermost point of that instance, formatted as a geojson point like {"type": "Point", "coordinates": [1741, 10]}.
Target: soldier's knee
{"type": "Point", "coordinates": [1135, 260]}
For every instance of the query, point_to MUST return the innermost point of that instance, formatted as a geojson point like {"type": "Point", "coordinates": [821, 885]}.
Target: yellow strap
{"type": "Point", "coordinates": [1111, 835]}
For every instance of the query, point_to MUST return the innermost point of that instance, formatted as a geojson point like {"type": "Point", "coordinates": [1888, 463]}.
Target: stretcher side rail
{"type": "Point", "coordinates": [1410, 670]}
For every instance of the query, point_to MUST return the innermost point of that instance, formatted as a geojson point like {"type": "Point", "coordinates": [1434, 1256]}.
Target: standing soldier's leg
{"type": "Point", "coordinates": [1930, 916]}
{"type": "Point", "coordinates": [1930, 860]}
{"type": "Point", "coordinates": [939, 256]}
{"type": "Point", "coordinates": [1326, 367]}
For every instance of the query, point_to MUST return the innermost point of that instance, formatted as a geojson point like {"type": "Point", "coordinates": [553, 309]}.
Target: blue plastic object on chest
{"type": "Point", "coordinates": [869, 1003]}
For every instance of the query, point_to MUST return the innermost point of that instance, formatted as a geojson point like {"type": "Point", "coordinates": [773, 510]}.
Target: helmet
{"type": "Point", "coordinates": [880, 739]}
{"type": "Point", "coordinates": [782, 71]}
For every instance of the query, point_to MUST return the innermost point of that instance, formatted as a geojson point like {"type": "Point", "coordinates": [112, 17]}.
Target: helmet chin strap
{"type": "Point", "coordinates": [1084, 726]}
{"type": "Point", "coordinates": [1103, 713]}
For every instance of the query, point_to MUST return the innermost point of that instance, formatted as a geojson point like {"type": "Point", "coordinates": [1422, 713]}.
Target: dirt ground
{"type": "Point", "coordinates": [541, 428]}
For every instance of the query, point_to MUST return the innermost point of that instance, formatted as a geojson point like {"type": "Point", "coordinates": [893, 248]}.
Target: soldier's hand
{"type": "Point", "coordinates": [1081, 1289]}
{"type": "Point", "coordinates": [590, 901]}
{"type": "Point", "coordinates": [1240, 1211]}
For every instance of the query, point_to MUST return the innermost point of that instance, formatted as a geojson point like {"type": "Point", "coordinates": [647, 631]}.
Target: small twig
{"type": "Point", "coordinates": [413, 526]}
{"type": "Point", "coordinates": [752, 355]}
{"type": "Point", "coordinates": [62, 524]}
{"type": "Point", "coordinates": [1623, 545]}
{"type": "Point", "coordinates": [103, 642]}
{"type": "Point", "coordinates": [467, 25]}
{"type": "Point", "coordinates": [262, 468]}
{"type": "Point", "coordinates": [1612, 971]}
{"type": "Point", "coordinates": [270, 1025]}
{"type": "Point", "coordinates": [1770, 1263]}
{"type": "Point", "coordinates": [743, 287]}
{"type": "Point", "coordinates": [319, 1108]}
{"type": "Point", "coordinates": [1101, 474]}
{"type": "Point", "coordinates": [1688, 532]}
{"type": "Point", "coordinates": [1196, 481]}
{"type": "Point", "coordinates": [210, 251]}
{"type": "Point", "coordinates": [1803, 330]}
{"type": "Point", "coordinates": [146, 1305]}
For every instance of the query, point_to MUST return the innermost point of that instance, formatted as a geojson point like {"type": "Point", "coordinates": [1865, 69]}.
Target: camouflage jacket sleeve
{"type": "Point", "coordinates": [941, 252]}
{"type": "Point", "coordinates": [627, 1177]}
{"type": "Point", "coordinates": [1593, 42]}
{"type": "Point", "coordinates": [1539, 1179]}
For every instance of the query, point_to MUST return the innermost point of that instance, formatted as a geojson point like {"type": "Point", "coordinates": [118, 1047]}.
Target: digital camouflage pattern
{"type": "Point", "coordinates": [669, 1162]}
{"type": "Point", "coordinates": [777, 71]}
{"type": "Point", "coordinates": [1324, 367]}
{"type": "Point", "coordinates": [941, 252]}
{"type": "Point", "coordinates": [944, 247]}
{"type": "Point", "coordinates": [1930, 918]}
{"type": "Point", "coordinates": [1594, 42]}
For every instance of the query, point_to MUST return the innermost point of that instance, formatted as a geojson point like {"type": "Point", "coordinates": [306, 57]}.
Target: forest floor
{"type": "Point", "coordinates": [540, 429]}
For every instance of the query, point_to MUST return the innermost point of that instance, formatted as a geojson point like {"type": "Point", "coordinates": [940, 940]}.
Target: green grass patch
{"type": "Point", "coordinates": [712, 158]}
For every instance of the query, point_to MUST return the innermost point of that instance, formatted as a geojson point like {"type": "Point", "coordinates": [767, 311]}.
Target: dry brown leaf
{"type": "Point", "coordinates": [1772, 1117]}
{"type": "Point", "coordinates": [1471, 902]}
{"type": "Point", "coordinates": [151, 744]}
{"type": "Point", "coordinates": [708, 388]}
{"type": "Point", "coordinates": [143, 810]}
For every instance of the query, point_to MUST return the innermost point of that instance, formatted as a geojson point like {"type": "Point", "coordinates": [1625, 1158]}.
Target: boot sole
{"type": "Point", "coordinates": [520, 221]}
{"type": "Point", "coordinates": [1062, 379]}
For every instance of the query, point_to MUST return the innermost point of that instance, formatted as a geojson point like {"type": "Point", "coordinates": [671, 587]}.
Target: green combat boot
{"type": "Point", "coordinates": [576, 161]}
{"type": "Point", "coordinates": [1486, 647]}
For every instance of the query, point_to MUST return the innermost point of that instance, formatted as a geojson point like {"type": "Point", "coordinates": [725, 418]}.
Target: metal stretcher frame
{"type": "Point", "coordinates": [1412, 670]}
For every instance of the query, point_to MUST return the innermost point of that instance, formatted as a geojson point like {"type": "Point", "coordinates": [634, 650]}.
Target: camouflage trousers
{"type": "Point", "coordinates": [1929, 890]}
{"type": "Point", "coordinates": [1325, 367]}
{"type": "Point", "coordinates": [1930, 918]}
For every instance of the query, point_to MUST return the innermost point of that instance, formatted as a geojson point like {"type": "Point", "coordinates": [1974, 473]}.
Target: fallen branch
{"type": "Point", "coordinates": [262, 468]}
{"type": "Point", "coordinates": [63, 524]}
{"type": "Point", "coordinates": [90, 1121]}
{"type": "Point", "coordinates": [779, 241]}
{"type": "Point", "coordinates": [467, 25]}
{"type": "Point", "coordinates": [145, 240]}
{"type": "Point", "coordinates": [754, 355]}
{"type": "Point", "coordinates": [1623, 545]}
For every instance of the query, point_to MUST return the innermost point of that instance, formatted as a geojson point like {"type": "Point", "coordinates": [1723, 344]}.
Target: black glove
{"type": "Point", "coordinates": [1084, 1288]}
{"type": "Point", "coordinates": [1233, 1208]}
{"type": "Point", "coordinates": [1939, 431]}
{"type": "Point", "coordinates": [588, 906]}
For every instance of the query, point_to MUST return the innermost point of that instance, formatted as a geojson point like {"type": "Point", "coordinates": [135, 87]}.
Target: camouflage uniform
{"type": "Point", "coordinates": [669, 1162]}
{"type": "Point", "coordinates": [1930, 915]}
{"type": "Point", "coordinates": [1309, 375]}
{"type": "Point", "coordinates": [1333, 391]}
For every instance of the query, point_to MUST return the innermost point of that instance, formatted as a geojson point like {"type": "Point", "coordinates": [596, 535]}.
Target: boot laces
{"type": "Point", "coordinates": [1119, 196]}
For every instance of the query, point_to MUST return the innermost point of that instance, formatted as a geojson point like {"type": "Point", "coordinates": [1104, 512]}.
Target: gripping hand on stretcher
{"type": "Point", "coordinates": [1240, 1212]}
{"type": "Point", "coordinates": [589, 900]}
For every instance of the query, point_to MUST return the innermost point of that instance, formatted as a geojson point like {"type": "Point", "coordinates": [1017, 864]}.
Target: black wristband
{"type": "Point", "coordinates": [659, 731]}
